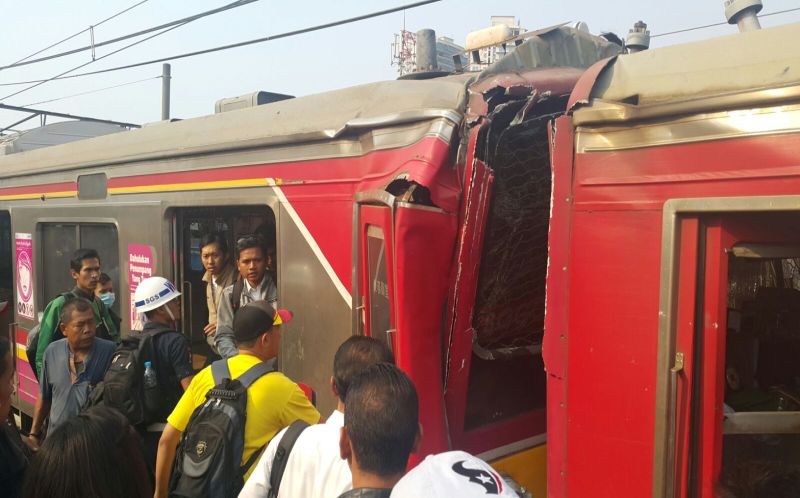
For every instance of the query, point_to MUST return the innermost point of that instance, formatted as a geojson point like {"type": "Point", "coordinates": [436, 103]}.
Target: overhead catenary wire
{"type": "Point", "coordinates": [22, 61]}
{"type": "Point", "coordinates": [41, 82]}
{"type": "Point", "coordinates": [235, 45]}
{"type": "Point", "coordinates": [182, 21]}
{"type": "Point", "coordinates": [92, 91]}
{"type": "Point", "coordinates": [724, 23]}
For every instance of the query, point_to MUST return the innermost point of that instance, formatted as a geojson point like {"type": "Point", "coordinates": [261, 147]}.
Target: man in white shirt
{"type": "Point", "coordinates": [254, 284]}
{"type": "Point", "coordinates": [314, 467]}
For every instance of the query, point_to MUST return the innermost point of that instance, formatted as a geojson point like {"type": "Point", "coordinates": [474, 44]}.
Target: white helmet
{"type": "Point", "coordinates": [154, 292]}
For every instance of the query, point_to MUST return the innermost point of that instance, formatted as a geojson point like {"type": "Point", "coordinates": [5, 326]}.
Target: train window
{"type": "Point", "coordinates": [380, 317]}
{"type": "Point", "coordinates": [59, 242]}
{"type": "Point", "coordinates": [190, 226]}
{"type": "Point", "coordinates": [762, 374]}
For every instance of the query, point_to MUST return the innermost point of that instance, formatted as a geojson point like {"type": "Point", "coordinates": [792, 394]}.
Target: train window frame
{"type": "Point", "coordinates": [43, 299]}
{"type": "Point", "coordinates": [700, 237]}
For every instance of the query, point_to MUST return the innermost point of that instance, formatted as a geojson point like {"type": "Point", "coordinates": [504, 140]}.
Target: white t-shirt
{"type": "Point", "coordinates": [314, 468]}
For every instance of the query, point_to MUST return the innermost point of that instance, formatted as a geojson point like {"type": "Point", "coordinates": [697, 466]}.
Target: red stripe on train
{"type": "Point", "coordinates": [36, 189]}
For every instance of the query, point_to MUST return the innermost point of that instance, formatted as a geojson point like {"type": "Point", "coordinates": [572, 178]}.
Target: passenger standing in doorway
{"type": "Point", "coordinates": [71, 367]}
{"type": "Point", "coordinates": [253, 284]}
{"type": "Point", "coordinates": [85, 270]}
{"type": "Point", "coordinates": [105, 293]}
{"type": "Point", "coordinates": [220, 273]}
{"type": "Point", "coordinates": [157, 298]}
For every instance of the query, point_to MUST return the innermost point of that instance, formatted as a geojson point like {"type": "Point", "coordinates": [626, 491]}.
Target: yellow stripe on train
{"type": "Point", "coordinates": [168, 187]}
{"type": "Point", "coordinates": [22, 353]}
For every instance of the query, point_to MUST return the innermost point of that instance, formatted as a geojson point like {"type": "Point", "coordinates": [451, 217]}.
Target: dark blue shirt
{"type": "Point", "coordinates": [55, 382]}
{"type": "Point", "coordinates": [172, 362]}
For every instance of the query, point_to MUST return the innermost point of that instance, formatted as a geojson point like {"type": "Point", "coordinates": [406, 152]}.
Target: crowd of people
{"type": "Point", "coordinates": [129, 417]}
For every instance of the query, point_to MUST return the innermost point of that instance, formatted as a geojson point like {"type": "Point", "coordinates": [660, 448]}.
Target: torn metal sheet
{"type": "Point", "coordinates": [561, 46]}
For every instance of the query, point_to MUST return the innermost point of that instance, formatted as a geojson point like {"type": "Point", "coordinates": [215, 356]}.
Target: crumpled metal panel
{"type": "Point", "coordinates": [555, 47]}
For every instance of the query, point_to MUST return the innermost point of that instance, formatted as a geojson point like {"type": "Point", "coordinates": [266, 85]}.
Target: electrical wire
{"type": "Point", "coordinates": [92, 91]}
{"type": "Point", "coordinates": [695, 28]}
{"type": "Point", "coordinates": [233, 5]}
{"type": "Point", "coordinates": [58, 76]}
{"type": "Point", "coordinates": [230, 46]}
{"type": "Point", "coordinates": [21, 61]}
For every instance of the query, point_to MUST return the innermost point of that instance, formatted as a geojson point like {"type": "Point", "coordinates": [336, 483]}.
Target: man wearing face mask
{"type": "Point", "coordinates": [157, 299]}
{"type": "Point", "coordinates": [105, 292]}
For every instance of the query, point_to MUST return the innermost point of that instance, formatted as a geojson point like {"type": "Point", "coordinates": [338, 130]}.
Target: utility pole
{"type": "Point", "coordinates": [165, 80]}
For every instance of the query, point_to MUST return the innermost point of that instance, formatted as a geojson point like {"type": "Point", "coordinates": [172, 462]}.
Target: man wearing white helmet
{"type": "Point", "coordinates": [157, 299]}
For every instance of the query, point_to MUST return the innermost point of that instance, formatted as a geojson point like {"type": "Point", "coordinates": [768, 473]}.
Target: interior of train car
{"type": "Point", "coordinates": [190, 225]}
{"type": "Point", "coordinates": [744, 368]}
{"type": "Point", "coordinates": [762, 371]}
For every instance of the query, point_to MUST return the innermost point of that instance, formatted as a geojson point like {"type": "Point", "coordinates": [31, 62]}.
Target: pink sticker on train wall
{"type": "Point", "coordinates": [24, 251]}
{"type": "Point", "coordinates": [140, 267]}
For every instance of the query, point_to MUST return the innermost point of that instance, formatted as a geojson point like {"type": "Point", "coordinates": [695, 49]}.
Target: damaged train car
{"type": "Point", "coordinates": [673, 296]}
{"type": "Point", "coordinates": [412, 211]}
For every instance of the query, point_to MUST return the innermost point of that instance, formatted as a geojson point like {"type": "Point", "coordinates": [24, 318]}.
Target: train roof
{"type": "Point", "coordinates": [320, 117]}
{"type": "Point", "coordinates": [324, 116]}
{"type": "Point", "coordinates": [703, 73]}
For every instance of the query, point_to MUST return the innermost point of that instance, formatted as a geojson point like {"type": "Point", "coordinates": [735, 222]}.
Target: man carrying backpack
{"type": "Point", "coordinates": [157, 298]}
{"type": "Point", "coordinates": [85, 270]}
{"type": "Point", "coordinates": [230, 411]}
{"type": "Point", "coordinates": [253, 284]}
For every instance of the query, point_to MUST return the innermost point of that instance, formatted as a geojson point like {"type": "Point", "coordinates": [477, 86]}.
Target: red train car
{"type": "Point", "coordinates": [412, 211]}
{"type": "Point", "coordinates": [672, 331]}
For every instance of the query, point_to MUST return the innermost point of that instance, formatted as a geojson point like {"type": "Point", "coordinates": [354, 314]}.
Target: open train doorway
{"type": "Point", "coordinates": [190, 227]}
{"type": "Point", "coordinates": [738, 393]}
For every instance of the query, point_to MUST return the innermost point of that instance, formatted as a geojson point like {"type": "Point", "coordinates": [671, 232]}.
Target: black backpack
{"type": "Point", "coordinates": [122, 387]}
{"type": "Point", "coordinates": [209, 456]}
{"type": "Point", "coordinates": [236, 294]}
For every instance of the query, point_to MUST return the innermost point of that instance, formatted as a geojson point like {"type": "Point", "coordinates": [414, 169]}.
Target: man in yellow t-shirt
{"type": "Point", "coordinates": [273, 401]}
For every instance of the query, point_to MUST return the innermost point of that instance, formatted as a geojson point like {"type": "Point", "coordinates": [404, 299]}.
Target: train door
{"type": "Point", "coordinates": [374, 304]}
{"type": "Point", "coordinates": [402, 253]}
{"type": "Point", "coordinates": [190, 225]}
{"type": "Point", "coordinates": [737, 389]}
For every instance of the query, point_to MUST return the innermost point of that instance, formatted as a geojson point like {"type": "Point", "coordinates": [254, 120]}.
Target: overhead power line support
{"type": "Point", "coordinates": [166, 71]}
{"type": "Point", "coordinates": [43, 114]}
{"type": "Point", "coordinates": [287, 34]}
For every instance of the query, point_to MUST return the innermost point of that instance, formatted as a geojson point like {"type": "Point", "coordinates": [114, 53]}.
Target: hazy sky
{"type": "Point", "coordinates": [305, 64]}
